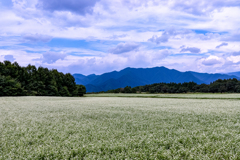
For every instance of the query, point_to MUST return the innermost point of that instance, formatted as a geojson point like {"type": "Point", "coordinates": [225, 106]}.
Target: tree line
{"type": "Point", "coordinates": [218, 86]}
{"type": "Point", "coordinates": [32, 81]}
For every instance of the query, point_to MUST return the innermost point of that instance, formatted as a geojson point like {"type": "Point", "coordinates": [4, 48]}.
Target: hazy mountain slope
{"type": "Point", "coordinates": [92, 88]}
{"type": "Point", "coordinates": [81, 79]}
{"type": "Point", "coordinates": [208, 78]}
{"type": "Point", "coordinates": [234, 74]}
{"type": "Point", "coordinates": [126, 80]}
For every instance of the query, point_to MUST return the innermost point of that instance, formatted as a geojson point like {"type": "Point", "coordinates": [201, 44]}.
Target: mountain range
{"type": "Point", "coordinates": [234, 74]}
{"type": "Point", "coordinates": [142, 76]}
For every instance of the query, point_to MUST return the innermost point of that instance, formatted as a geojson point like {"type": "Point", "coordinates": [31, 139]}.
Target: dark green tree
{"type": "Point", "coordinates": [30, 80]}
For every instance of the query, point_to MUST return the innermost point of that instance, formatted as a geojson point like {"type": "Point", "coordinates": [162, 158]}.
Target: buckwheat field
{"type": "Point", "coordinates": [120, 128]}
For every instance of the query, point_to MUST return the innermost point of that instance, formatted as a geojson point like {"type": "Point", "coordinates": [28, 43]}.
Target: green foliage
{"type": "Point", "coordinates": [10, 87]}
{"type": "Point", "coordinates": [127, 89]}
{"type": "Point", "coordinates": [81, 89]}
{"type": "Point", "coordinates": [64, 92]}
{"type": "Point", "coordinates": [32, 81]}
{"type": "Point", "coordinates": [218, 86]}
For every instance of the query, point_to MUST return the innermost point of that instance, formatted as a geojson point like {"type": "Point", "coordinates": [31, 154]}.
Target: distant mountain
{"type": "Point", "coordinates": [208, 78]}
{"type": "Point", "coordinates": [234, 74]}
{"type": "Point", "coordinates": [81, 79]}
{"type": "Point", "coordinates": [142, 76]}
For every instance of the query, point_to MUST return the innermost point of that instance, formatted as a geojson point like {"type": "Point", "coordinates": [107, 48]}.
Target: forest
{"type": "Point", "coordinates": [218, 86]}
{"type": "Point", "coordinates": [32, 81]}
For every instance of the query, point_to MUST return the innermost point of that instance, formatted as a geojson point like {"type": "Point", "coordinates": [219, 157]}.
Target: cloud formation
{"type": "Point", "coordinates": [161, 39]}
{"type": "Point", "coordinates": [36, 38]}
{"type": "Point", "coordinates": [202, 7]}
{"type": "Point", "coordinates": [167, 34]}
{"type": "Point", "coordinates": [124, 47]}
{"type": "Point", "coordinates": [211, 60]}
{"type": "Point", "coordinates": [81, 7]}
{"type": "Point", "coordinates": [164, 37]}
{"type": "Point", "coordinates": [162, 54]}
{"type": "Point", "coordinates": [222, 44]}
{"type": "Point", "coordinates": [92, 31]}
{"type": "Point", "coordinates": [236, 53]}
{"type": "Point", "coordinates": [208, 36]}
{"type": "Point", "coordinates": [191, 50]}
{"type": "Point", "coordinates": [9, 58]}
{"type": "Point", "coordinates": [118, 36]}
{"type": "Point", "coordinates": [51, 57]}
{"type": "Point", "coordinates": [232, 37]}
{"type": "Point", "coordinates": [100, 65]}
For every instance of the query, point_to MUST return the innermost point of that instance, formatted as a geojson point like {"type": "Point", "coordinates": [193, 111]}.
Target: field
{"type": "Point", "coordinates": [168, 95]}
{"type": "Point", "coordinates": [181, 126]}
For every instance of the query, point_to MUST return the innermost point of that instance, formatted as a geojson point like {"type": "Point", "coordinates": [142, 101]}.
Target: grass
{"type": "Point", "coordinates": [119, 128]}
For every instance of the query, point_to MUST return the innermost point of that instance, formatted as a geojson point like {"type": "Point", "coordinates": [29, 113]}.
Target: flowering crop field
{"type": "Point", "coordinates": [168, 95]}
{"type": "Point", "coordinates": [119, 128]}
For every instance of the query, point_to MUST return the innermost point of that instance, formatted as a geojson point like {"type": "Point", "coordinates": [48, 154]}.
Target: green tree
{"type": "Point", "coordinates": [30, 80]}
{"type": "Point", "coordinates": [64, 92]}
{"type": "Point", "coordinates": [10, 87]}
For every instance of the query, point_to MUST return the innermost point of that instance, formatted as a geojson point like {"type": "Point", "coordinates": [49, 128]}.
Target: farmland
{"type": "Point", "coordinates": [169, 95]}
{"type": "Point", "coordinates": [114, 126]}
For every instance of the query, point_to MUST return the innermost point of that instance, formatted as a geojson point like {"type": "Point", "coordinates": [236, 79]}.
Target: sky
{"type": "Point", "coordinates": [98, 36]}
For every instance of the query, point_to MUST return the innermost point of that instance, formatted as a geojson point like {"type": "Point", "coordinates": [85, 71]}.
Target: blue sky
{"type": "Point", "coordinates": [98, 36]}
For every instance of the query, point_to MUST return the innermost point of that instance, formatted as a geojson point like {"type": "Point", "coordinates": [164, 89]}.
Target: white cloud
{"type": "Point", "coordinates": [211, 60]}
{"type": "Point", "coordinates": [9, 58]}
{"type": "Point", "coordinates": [236, 53]}
{"type": "Point", "coordinates": [124, 47]}
{"type": "Point", "coordinates": [51, 57]}
{"type": "Point", "coordinates": [79, 7]}
{"type": "Point", "coordinates": [36, 38]}
{"type": "Point", "coordinates": [222, 44]}
{"type": "Point", "coordinates": [202, 7]}
{"type": "Point", "coordinates": [234, 59]}
{"type": "Point", "coordinates": [122, 27]}
{"type": "Point", "coordinates": [191, 50]}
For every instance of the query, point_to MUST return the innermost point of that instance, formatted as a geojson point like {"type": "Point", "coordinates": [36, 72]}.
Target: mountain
{"type": "Point", "coordinates": [142, 76]}
{"type": "Point", "coordinates": [234, 74]}
{"type": "Point", "coordinates": [208, 78]}
{"type": "Point", "coordinates": [81, 79]}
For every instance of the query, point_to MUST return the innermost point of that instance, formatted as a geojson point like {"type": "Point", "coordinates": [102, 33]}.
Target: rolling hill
{"type": "Point", "coordinates": [142, 76]}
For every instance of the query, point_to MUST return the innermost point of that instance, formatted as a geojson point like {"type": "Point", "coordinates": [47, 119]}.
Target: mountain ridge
{"type": "Point", "coordinates": [143, 76]}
